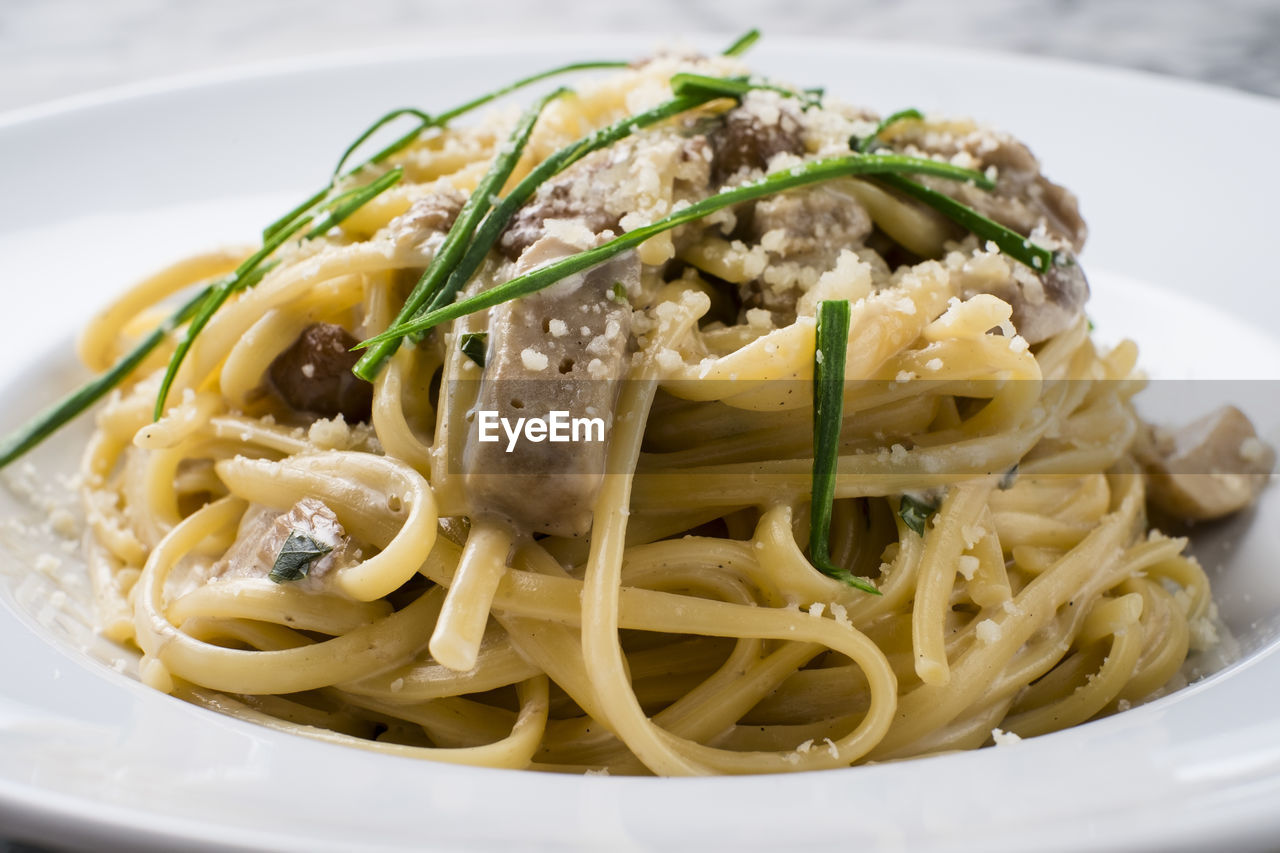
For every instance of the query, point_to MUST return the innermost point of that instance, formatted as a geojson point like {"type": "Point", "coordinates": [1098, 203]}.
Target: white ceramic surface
{"type": "Point", "coordinates": [100, 190]}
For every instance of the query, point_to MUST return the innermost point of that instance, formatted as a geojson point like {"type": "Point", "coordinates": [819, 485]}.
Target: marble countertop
{"type": "Point", "coordinates": [54, 48]}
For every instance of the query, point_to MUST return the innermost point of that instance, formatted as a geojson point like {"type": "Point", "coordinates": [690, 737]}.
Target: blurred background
{"type": "Point", "coordinates": [55, 48]}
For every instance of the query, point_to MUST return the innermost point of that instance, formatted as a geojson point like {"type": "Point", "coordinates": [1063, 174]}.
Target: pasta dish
{"type": "Point", "coordinates": [674, 421]}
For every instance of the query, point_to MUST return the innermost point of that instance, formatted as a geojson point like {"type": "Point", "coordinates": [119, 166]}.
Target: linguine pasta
{"type": "Point", "coordinates": [646, 603]}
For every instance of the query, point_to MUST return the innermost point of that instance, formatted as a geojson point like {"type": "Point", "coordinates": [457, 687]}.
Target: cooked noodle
{"type": "Point", "coordinates": [688, 633]}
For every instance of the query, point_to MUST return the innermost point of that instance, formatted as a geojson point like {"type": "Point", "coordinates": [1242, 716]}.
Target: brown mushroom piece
{"type": "Point", "coordinates": [811, 223]}
{"type": "Point", "coordinates": [746, 139]}
{"type": "Point", "coordinates": [314, 375]}
{"type": "Point", "coordinates": [566, 197]}
{"type": "Point", "coordinates": [1023, 198]}
{"type": "Point", "coordinates": [1209, 468]}
{"type": "Point", "coordinates": [1043, 305]}
{"type": "Point", "coordinates": [563, 349]}
{"type": "Point", "coordinates": [429, 216]}
{"type": "Point", "coordinates": [806, 227]}
{"type": "Point", "coordinates": [263, 532]}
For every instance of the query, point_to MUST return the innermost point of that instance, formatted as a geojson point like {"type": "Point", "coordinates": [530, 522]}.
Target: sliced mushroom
{"type": "Point", "coordinates": [430, 216]}
{"type": "Point", "coordinates": [751, 134]}
{"type": "Point", "coordinates": [314, 375]}
{"type": "Point", "coordinates": [263, 532]}
{"type": "Point", "coordinates": [1210, 468]}
{"type": "Point", "coordinates": [568, 197]}
{"type": "Point", "coordinates": [563, 349]}
{"type": "Point", "coordinates": [1043, 305]}
{"type": "Point", "coordinates": [1023, 198]}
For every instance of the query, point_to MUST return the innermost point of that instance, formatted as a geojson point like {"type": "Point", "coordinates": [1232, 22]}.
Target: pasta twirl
{"type": "Point", "coordinates": [990, 478]}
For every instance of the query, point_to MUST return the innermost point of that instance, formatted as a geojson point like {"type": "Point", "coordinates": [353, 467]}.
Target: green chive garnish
{"type": "Point", "coordinates": [475, 346]}
{"type": "Point", "coordinates": [53, 418]}
{"type": "Point", "coordinates": [743, 43]}
{"type": "Point", "coordinates": [489, 232]}
{"type": "Point", "coordinates": [424, 122]}
{"type": "Point", "coordinates": [832, 344]}
{"type": "Point", "coordinates": [867, 144]}
{"type": "Point", "coordinates": [322, 219]}
{"type": "Point", "coordinates": [801, 175]}
{"type": "Point", "coordinates": [915, 513]}
{"type": "Point", "coordinates": [298, 552]}
{"type": "Point", "coordinates": [455, 242]}
{"type": "Point", "coordinates": [1010, 242]}
{"type": "Point", "coordinates": [700, 85]}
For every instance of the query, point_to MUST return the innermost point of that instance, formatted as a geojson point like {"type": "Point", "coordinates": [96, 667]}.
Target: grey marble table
{"type": "Point", "coordinates": [54, 48]}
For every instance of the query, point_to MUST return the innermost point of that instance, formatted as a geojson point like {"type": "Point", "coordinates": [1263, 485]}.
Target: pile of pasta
{"type": "Point", "coordinates": [688, 633]}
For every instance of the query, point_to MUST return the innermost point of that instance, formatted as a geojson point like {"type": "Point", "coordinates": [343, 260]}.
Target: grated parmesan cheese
{"type": "Point", "coordinates": [988, 632]}
{"type": "Point", "coordinates": [533, 360]}
{"type": "Point", "coordinates": [1003, 738]}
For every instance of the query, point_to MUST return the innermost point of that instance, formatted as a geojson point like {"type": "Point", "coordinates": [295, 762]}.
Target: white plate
{"type": "Point", "coordinates": [1176, 184]}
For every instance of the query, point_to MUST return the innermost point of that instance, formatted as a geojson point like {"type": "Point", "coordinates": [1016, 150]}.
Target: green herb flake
{"type": "Point", "coordinates": [618, 293]}
{"type": "Point", "coordinates": [298, 552]}
{"type": "Point", "coordinates": [475, 346]}
{"type": "Point", "coordinates": [916, 513]}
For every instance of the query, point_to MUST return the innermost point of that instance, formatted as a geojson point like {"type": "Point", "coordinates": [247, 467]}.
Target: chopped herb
{"type": "Point", "coordinates": [811, 172]}
{"type": "Point", "coordinates": [475, 346]}
{"type": "Point", "coordinates": [915, 513]}
{"type": "Point", "coordinates": [1091, 326]}
{"type": "Point", "coordinates": [1009, 477]}
{"type": "Point", "coordinates": [618, 293]}
{"type": "Point", "coordinates": [298, 552]}
{"type": "Point", "coordinates": [832, 344]}
{"type": "Point", "coordinates": [743, 43]}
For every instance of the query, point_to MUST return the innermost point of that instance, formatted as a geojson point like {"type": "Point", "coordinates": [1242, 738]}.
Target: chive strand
{"type": "Point", "coordinates": [831, 339]}
{"type": "Point", "coordinates": [53, 418]}
{"type": "Point", "coordinates": [701, 85]}
{"type": "Point", "coordinates": [699, 91]}
{"type": "Point", "coordinates": [425, 121]}
{"type": "Point", "coordinates": [909, 113]}
{"type": "Point", "coordinates": [743, 43]}
{"type": "Point", "coordinates": [807, 173]}
{"type": "Point", "coordinates": [1010, 242]}
{"type": "Point", "coordinates": [62, 412]}
{"type": "Point", "coordinates": [455, 242]}
{"type": "Point", "coordinates": [494, 224]}
{"type": "Point", "coordinates": [246, 276]}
